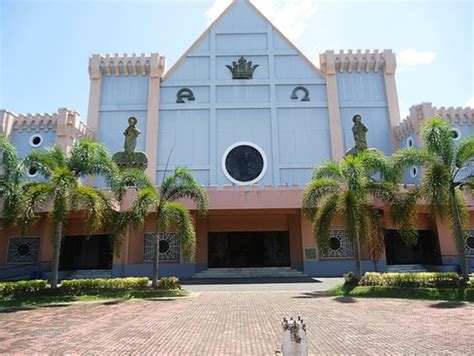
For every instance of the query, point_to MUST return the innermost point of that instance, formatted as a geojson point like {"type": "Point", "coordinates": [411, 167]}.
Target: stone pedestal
{"type": "Point", "coordinates": [137, 160]}
{"type": "Point", "coordinates": [294, 341]}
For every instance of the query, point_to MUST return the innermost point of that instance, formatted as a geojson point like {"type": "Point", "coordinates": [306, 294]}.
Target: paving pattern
{"type": "Point", "coordinates": [240, 323]}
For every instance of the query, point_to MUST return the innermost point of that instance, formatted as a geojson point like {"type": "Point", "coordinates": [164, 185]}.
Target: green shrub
{"type": "Point", "coordinates": [425, 279]}
{"type": "Point", "coordinates": [79, 285]}
{"type": "Point", "coordinates": [8, 289]}
{"type": "Point", "coordinates": [169, 283]}
{"type": "Point", "coordinates": [469, 294]}
{"type": "Point", "coordinates": [350, 278]}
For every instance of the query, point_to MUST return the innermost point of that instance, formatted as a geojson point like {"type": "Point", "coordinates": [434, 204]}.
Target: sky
{"type": "Point", "coordinates": [45, 45]}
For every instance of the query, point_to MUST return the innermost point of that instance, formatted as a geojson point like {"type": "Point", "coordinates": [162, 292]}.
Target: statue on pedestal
{"type": "Point", "coordinates": [359, 130]}
{"type": "Point", "coordinates": [129, 158]}
{"type": "Point", "coordinates": [131, 133]}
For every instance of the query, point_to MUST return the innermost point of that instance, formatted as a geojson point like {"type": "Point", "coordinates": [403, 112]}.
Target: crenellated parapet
{"type": "Point", "coordinates": [66, 123]}
{"type": "Point", "coordinates": [126, 65]}
{"type": "Point", "coordinates": [27, 122]}
{"type": "Point", "coordinates": [358, 61]}
{"type": "Point", "coordinates": [418, 113]}
{"type": "Point", "coordinates": [458, 115]}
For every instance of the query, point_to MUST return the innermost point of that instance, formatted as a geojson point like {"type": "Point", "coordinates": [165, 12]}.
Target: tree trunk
{"type": "Point", "coordinates": [58, 232]}
{"type": "Point", "coordinates": [156, 242]}
{"type": "Point", "coordinates": [357, 256]}
{"type": "Point", "coordinates": [459, 236]}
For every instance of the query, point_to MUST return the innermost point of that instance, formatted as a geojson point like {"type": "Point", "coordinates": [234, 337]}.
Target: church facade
{"type": "Point", "coordinates": [251, 117]}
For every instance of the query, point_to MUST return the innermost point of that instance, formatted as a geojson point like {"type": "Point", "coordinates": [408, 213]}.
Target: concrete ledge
{"type": "Point", "coordinates": [181, 270]}
{"type": "Point", "coordinates": [336, 268]}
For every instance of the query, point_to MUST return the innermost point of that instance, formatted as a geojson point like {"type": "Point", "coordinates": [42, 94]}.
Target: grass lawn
{"type": "Point", "coordinates": [454, 294]}
{"type": "Point", "coordinates": [49, 297]}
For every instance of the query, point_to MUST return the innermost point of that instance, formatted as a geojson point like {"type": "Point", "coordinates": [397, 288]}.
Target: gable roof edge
{"type": "Point", "coordinates": [193, 46]}
{"type": "Point", "coordinates": [259, 13]}
{"type": "Point", "coordinates": [291, 44]}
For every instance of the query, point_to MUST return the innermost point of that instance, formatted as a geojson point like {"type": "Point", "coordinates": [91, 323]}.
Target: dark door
{"type": "Point", "coordinates": [425, 251]}
{"type": "Point", "coordinates": [249, 249]}
{"type": "Point", "coordinates": [81, 252]}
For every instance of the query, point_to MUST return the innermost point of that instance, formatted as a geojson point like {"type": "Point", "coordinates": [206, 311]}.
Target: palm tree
{"type": "Point", "coordinates": [121, 182]}
{"type": "Point", "coordinates": [345, 189]}
{"type": "Point", "coordinates": [445, 164]}
{"type": "Point", "coordinates": [11, 183]}
{"type": "Point", "coordinates": [168, 212]}
{"type": "Point", "coordinates": [62, 192]}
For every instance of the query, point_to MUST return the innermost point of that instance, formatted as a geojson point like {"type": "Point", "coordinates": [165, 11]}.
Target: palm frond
{"type": "Point", "coordinates": [403, 213]}
{"type": "Point", "coordinates": [122, 180]}
{"type": "Point", "coordinates": [355, 175]}
{"type": "Point", "coordinates": [315, 192]}
{"type": "Point", "coordinates": [328, 169]}
{"type": "Point", "coordinates": [44, 161]}
{"type": "Point", "coordinates": [12, 197]}
{"type": "Point", "coordinates": [384, 191]}
{"type": "Point", "coordinates": [181, 184]}
{"type": "Point", "coordinates": [435, 188]}
{"type": "Point", "coordinates": [118, 223]}
{"type": "Point", "coordinates": [87, 157]}
{"type": "Point", "coordinates": [375, 161]}
{"type": "Point", "coordinates": [460, 210]}
{"type": "Point", "coordinates": [323, 221]}
{"type": "Point", "coordinates": [9, 162]}
{"type": "Point", "coordinates": [438, 139]}
{"type": "Point", "coordinates": [468, 184]}
{"type": "Point", "coordinates": [179, 216]}
{"type": "Point", "coordinates": [375, 232]}
{"type": "Point", "coordinates": [95, 205]}
{"type": "Point", "coordinates": [143, 201]}
{"type": "Point", "coordinates": [408, 157]}
{"type": "Point", "coordinates": [349, 207]}
{"type": "Point", "coordinates": [464, 155]}
{"type": "Point", "coordinates": [35, 196]}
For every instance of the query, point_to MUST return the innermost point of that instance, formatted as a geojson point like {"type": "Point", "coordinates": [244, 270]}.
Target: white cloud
{"type": "Point", "coordinates": [217, 7]}
{"type": "Point", "coordinates": [411, 57]}
{"type": "Point", "coordinates": [290, 17]}
{"type": "Point", "coordinates": [470, 102]}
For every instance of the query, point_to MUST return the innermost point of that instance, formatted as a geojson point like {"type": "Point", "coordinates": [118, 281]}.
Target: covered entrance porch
{"type": "Point", "coordinates": [86, 253]}
{"type": "Point", "coordinates": [425, 252]}
{"type": "Point", "coordinates": [249, 249]}
{"type": "Point", "coordinates": [257, 241]}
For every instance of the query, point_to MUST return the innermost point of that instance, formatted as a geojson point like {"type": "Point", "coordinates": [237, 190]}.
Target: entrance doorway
{"type": "Point", "coordinates": [425, 252]}
{"type": "Point", "coordinates": [82, 252]}
{"type": "Point", "coordinates": [249, 249]}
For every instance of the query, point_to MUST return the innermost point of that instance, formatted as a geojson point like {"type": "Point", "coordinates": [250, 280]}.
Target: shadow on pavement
{"type": "Point", "coordinates": [8, 310]}
{"type": "Point", "coordinates": [14, 309]}
{"type": "Point", "coordinates": [114, 302]}
{"type": "Point", "coordinates": [309, 295]}
{"type": "Point", "coordinates": [448, 305]}
{"type": "Point", "coordinates": [345, 299]}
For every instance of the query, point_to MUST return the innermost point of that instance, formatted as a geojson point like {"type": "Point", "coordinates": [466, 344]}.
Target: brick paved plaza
{"type": "Point", "coordinates": [240, 323]}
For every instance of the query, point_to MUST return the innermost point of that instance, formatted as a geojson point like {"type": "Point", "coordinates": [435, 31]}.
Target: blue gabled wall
{"type": "Point", "coordinates": [293, 134]}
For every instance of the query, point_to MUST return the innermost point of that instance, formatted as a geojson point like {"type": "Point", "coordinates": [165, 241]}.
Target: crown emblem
{"type": "Point", "coordinates": [242, 69]}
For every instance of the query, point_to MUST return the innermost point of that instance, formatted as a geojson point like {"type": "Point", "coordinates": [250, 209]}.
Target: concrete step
{"type": "Point", "coordinates": [406, 268]}
{"type": "Point", "coordinates": [252, 272]}
{"type": "Point", "coordinates": [91, 274]}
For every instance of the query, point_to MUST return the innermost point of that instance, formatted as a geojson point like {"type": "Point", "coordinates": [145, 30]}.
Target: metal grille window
{"type": "Point", "coordinates": [169, 247]}
{"type": "Point", "coordinates": [23, 249]}
{"type": "Point", "coordinates": [339, 245]}
{"type": "Point", "coordinates": [470, 243]}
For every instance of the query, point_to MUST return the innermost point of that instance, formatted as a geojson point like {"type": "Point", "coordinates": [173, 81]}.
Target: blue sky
{"type": "Point", "coordinates": [45, 45]}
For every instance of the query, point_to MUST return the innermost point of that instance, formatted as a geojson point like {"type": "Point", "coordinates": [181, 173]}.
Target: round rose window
{"type": "Point", "coordinates": [244, 163]}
